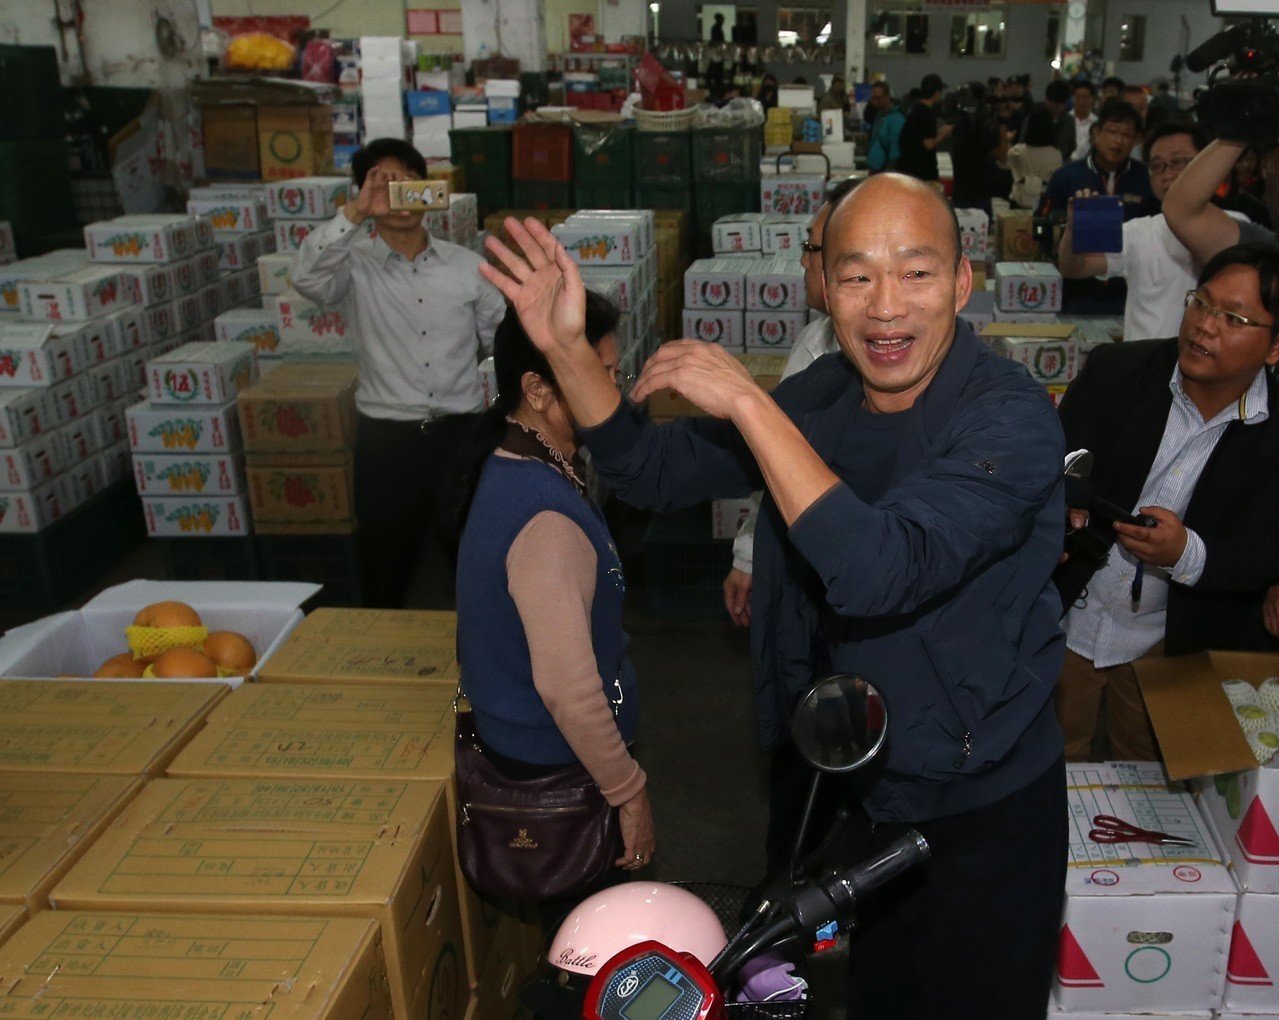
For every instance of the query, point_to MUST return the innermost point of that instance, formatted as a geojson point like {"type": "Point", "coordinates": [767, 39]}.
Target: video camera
{"type": "Point", "coordinates": [1241, 101]}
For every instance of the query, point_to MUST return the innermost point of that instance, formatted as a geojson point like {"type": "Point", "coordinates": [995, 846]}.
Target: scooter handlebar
{"type": "Point", "coordinates": [845, 887]}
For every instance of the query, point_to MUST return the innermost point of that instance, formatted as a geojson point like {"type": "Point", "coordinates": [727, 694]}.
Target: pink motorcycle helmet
{"type": "Point", "coordinates": [602, 925]}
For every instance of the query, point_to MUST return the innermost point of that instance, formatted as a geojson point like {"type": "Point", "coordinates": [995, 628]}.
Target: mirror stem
{"type": "Point", "coordinates": [797, 855]}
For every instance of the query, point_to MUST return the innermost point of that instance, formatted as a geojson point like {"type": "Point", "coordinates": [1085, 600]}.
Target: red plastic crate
{"type": "Point", "coordinates": [543, 152]}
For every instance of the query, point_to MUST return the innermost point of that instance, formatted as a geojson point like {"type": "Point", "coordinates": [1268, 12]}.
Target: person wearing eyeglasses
{"type": "Point", "coordinates": [1184, 431]}
{"type": "Point", "coordinates": [1157, 267]}
{"type": "Point", "coordinates": [1200, 225]}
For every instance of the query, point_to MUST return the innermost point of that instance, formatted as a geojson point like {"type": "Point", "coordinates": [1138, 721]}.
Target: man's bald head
{"type": "Point", "coordinates": [878, 195]}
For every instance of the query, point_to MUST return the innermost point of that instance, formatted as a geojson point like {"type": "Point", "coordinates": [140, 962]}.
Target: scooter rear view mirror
{"type": "Point", "coordinates": [840, 724]}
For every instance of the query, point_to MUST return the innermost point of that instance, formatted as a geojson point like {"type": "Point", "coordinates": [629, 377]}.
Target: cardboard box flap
{"type": "Point", "coordinates": [211, 594]}
{"type": "Point", "coordinates": [1031, 330]}
{"type": "Point", "coordinates": [1193, 721]}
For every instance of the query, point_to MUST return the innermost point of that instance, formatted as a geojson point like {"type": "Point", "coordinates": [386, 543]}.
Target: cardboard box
{"type": "Point", "coordinates": [771, 331]}
{"type": "Point", "coordinates": [47, 821]}
{"type": "Point", "coordinates": [1200, 739]}
{"type": "Point", "coordinates": [776, 285]}
{"type": "Point", "coordinates": [71, 399]}
{"type": "Point", "coordinates": [1049, 351]}
{"type": "Point", "coordinates": [1145, 927]}
{"type": "Point", "coordinates": [34, 462]}
{"type": "Point", "coordinates": [31, 511]}
{"type": "Point", "coordinates": [128, 728]}
{"type": "Point", "coordinates": [337, 705]}
{"type": "Point", "coordinates": [231, 215]}
{"type": "Point", "coordinates": [76, 643]}
{"type": "Point", "coordinates": [33, 354]}
{"type": "Point", "coordinates": [273, 272]}
{"type": "Point", "coordinates": [231, 142]}
{"type": "Point", "coordinates": [724, 328]}
{"type": "Point", "coordinates": [294, 141]}
{"type": "Point", "coordinates": [974, 231]}
{"type": "Point", "coordinates": [111, 381]}
{"type": "Point", "coordinates": [201, 373]}
{"type": "Point", "coordinates": [604, 279]}
{"type": "Point", "coordinates": [716, 284]}
{"type": "Point", "coordinates": [141, 239]}
{"type": "Point", "coordinates": [97, 339]}
{"type": "Point", "coordinates": [727, 515]}
{"type": "Point", "coordinates": [310, 491]}
{"type": "Point", "coordinates": [792, 194]}
{"type": "Point", "coordinates": [1027, 287]}
{"type": "Point", "coordinates": [254, 326]}
{"type": "Point", "coordinates": [979, 312]}
{"type": "Point", "coordinates": [79, 294]}
{"type": "Point", "coordinates": [197, 517]}
{"type": "Point", "coordinates": [782, 235]}
{"type": "Point", "coordinates": [240, 251]}
{"type": "Point", "coordinates": [188, 277]}
{"type": "Point", "coordinates": [300, 408]}
{"type": "Point", "coordinates": [1253, 965]}
{"type": "Point", "coordinates": [765, 369]}
{"type": "Point", "coordinates": [308, 198]}
{"type": "Point", "coordinates": [251, 848]}
{"type": "Point", "coordinates": [302, 320]}
{"type": "Point", "coordinates": [736, 234]}
{"type": "Point", "coordinates": [601, 245]}
{"type": "Point", "coordinates": [158, 428]}
{"type": "Point", "coordinates": [24, 414]}
{"type": "Point", "coordinates": [158, 474]}
{"type": "Point", "coordinates": [509, 963]}
{"type": "Point", "coordinates": [107, 964]}
{"type": "Point", "coordinates": [368, 647]}
{"type": "Point", "coordinates": [289, 234]}
{"type": "Point", "coordinates": [1015, 236]}
{"type": "Point", "coordinates": [11, 919]}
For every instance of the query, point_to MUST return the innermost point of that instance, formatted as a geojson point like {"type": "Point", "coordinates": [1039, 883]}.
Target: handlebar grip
{"type": "Point", "coordinates": [845, 887]}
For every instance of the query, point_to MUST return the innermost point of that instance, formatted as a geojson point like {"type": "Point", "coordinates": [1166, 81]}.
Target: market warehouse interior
{"type": "Point", "coordinates": [630, 369]}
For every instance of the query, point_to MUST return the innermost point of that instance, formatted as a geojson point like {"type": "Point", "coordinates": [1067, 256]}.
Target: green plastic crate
{"type": "Point", "coordinates": [35, 189]}
{"type": "Point", "coordinates": [34, 101]}
{"type": "Point", "coordinates": [685, 567]}
{"type": "Point", "coordinates": [727, 154]}
{"type": "Point", "coordinates": [663, 158]}
{"type": "Point", "coordinates": [484, 154]}
{"type": "Point", "coordinates": [541, 194]}
{"type": "Point", "coordinates": [604, 196]}
{"type": "Point", "coordinates": [603, 155]}
{"type": "Point", "coordinates": [659, 196]}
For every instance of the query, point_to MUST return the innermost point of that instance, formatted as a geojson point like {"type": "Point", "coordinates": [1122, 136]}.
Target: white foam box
{"type": "Point", "coordinates": [738, 233]}
{"type": "Point", "coordinates": [792, 194]}
{"type": "Point", "coordinates": [717, 284]}
{"type": "Point", "coordinates": [470, 117]}
{"type": "Point", "coordinates": [718, 327]}
{"type": "Point", "coordinates": [782, 235]}
{"type": "Point", "coordinates": [289, 234]}
{"type": "Point", "coordinates": [1049, 350]}
{"type": "Point", "coordinates": [301, 319]}
{"type": "Point", "coordinates": [240, 251]}
{"type": "Point", "coordinates": [33, 354]}
{"type": "Point", "coordinates": [34, 462]}
{"type": "Point", "coordinates": [307, 198]}
{"type": "Point", "coordinates": [96, 339]}
{"type": "Point", "coordinates": [600, 245]}
{"type": "Point", "coordinates": [149, 284]}
{"type": "Point", "coordinates": [231, 215]}
{"type": "Point", "coordinates": [25, 513]}
{"type": "Point", "coordinates": [1145, 927]}
{"type": "Point", "coordinates": [1252, 969]}
{"type": "Point", "coordinates": [71, 399]}
{"type": "Point", "coordinates": [772, 331]}
{"type": "Point", "coordinates": [52, 263]}
{"type": "Point", "coordinates": [273, 272]}
{"type": "Point", "coordinates": [776, 285]}
{"type": "Point", "coordinates": [1027, 287]}
{"type": "Point", "coordinates": [201, 373]}
{"type": "Point", "coordinates": [188, 475]}
{"type": "Point", "coordinates": [163, 428]}
{"type": "Point", "coordinates": [83, 293]}
{"type": "Point", "coordinates": [141, 239]}
{"type": "Point", "coordinates": [620, 283]}
{"type": "Point", "coordinates": [206, 266]}
{"type": "Point", "coordinates": [256, 326]}
{"type": "Point", "coordinates": [75, 643]}
{"type": "Point", "coordinates": [979, 312]}
{"type": "Point", "coordinates": [727, 515]}
{"type": "Point", "coordinates": [111, 381]}
{"type": "Point", "coordinates": [974, 233]}
{"type": "Point", "coordinates": [842, 155]}
{"type": "Point", "coordinates": [24, 414]}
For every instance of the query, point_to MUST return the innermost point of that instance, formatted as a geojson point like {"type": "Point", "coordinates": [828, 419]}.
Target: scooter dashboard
{"type": "Point", "coordinates": [653, 982]}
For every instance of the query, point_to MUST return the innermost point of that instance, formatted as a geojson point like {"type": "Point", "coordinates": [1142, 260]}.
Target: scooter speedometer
{"type": "Point", "coordinates": [650, 981]}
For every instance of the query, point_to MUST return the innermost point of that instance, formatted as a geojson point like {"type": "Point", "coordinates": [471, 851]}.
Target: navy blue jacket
{"type": "Point", "coordinates": [940, 593]}
{"type": "Point", "coordinates": [1132, 184]}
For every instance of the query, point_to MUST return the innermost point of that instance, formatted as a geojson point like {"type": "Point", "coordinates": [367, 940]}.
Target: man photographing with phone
{"type": "Point", "coordinates": [1180, 430]}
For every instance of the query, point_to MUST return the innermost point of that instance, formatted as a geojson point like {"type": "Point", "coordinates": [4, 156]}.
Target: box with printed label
{"type": "Point", "coordinates": [1050, 351]}
{"type": "Point", "coordinates": [239, 251]}
{"type": "Point", "coordinates": [86, 479]}
{"type": "Point", "coordinates": [776, 285]}
{"type": "Point", "coordinates": [187, 277]}
{"type": "Point", "coordinates": [32, 354]}
{"type": "Point", "coordinates": [206, 267]}
{"type": "Point", "coordinates": [113, 426]}
{"type": "Point", "coordinates": [196, 516]}
{"type": "Point", "coordinates": [39, 268]}
{"type": "Point", "coordinates": [1145, 926]}
{"type": "Point", "coordinates": [212, 298]}
{"type": "Point", "coordinates": [71, 400]}
{"type": "Point", "coordinates": [160, 474]}
{"type": "Point", "coordinates": [792, 194]}
{"type": "Point", "coordinates": [765, 331]}
{"type": "Point", "coordinates": [300, 318]}
{"type": "Point", "coordinates": [81, 437]}
{"type": "Point", "coordinates": [98, 964]}
{"type": "Point", "coordinates": [782, 235]}
{"type": "Point", "coordinates": [717, 284]}
{"type": "Point", "coordinates": [1253, 965]}
{"type": "Point", "coordinates": [301, 492]}
{"type": "Point", "coordinates": [294, 141]}
{"type": "Point", "coordinates": [149, 284]}
{"type": "Point", "coordinates": [255, 326]}
{"type": "Point", "coordinates": [1015, 233]}
{"type": "Point", "coordinates": [289, 234]}
{"type": "Point", "coordinates": [727, 515]}
{"type": "Point", "coordinates": [34, 462]}
{"type": "Point", "coordinates": [24, 414]}
{"type": "Point", "coordinates": [300, 408]}
{"type": "Point", "coordinates": [83, 293]}
{"type": "Point", "coordinates": [115, 463]}
{"type": "Point", "coordinates": [378, 851]}
{"type": "Point", "coordinates": [201, 373]}
{"type": "Point", "coordinates": [97, 339]}
{"type": "Point", "coordinates": [1027, 287]}
{"type": "Point", "coordinates": [974, 231]}
{"type": "Point", "coordinates": [31, 511]}
{"type": "Point", "coordinates": [231, 215]}
{"type": "Point", "coordinates": [141, 239]}
{"type": "Point", "coordinates": [599, 245]}
{"type": "Point", "coordinates": [625, 278]}
{"type": "Point", "coordinates": [307, 198]}
{"type": "Point", "coordinates": [641, 219]}
{"type": "Point", "coordinates": [723, 328]}
{"type": "Point", "coordinates": [738, 233]}
{"type": "Point", "coordinates": [190, 311]}
{"type": "Point", "coordinates": [273, 272]}
{"type": "Point", "coordinates": [111, 381]}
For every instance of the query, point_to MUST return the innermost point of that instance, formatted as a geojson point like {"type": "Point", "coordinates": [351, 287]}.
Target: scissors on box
{"type": "Point", "coordinates": [1110, 829]}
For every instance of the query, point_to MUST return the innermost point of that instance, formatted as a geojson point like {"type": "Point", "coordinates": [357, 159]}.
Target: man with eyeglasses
{"type": "Point", "coordinates": [1157, 267]}
{"type": "Point", "coordinates": [1183, 431]}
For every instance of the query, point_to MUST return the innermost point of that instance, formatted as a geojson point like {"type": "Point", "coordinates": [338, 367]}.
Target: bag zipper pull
{"type": "Point", "coordinates": [466, 815]}
{"type": "Point", "coordinates": [963, 755]}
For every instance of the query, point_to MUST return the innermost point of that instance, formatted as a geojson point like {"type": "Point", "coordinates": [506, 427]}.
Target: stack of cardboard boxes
{"type": "Point", "coordinates": [385, 74]}
{"type": "Point", "coordinates": [674, 230]}
{"type": "Point", "coordinates": [298, 425]}
{"type": "Point", "coordinates": [187, 459]}
{"type": "Point", "coordinates": [8, 249]}
{"type": "Point", "coordinates": [749, 302]}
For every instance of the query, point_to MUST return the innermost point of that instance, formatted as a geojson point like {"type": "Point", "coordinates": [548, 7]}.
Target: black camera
{"type": "Point", "coordinates": [1241, 100]}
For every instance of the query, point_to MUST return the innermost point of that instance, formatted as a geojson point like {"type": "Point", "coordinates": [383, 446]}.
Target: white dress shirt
{"type": "Point", "coordinates": [1083, 135]}
{"type": "Point", "coordinates": [1107, 629]}
{"type": "Point", "coordinates": [421, 327]}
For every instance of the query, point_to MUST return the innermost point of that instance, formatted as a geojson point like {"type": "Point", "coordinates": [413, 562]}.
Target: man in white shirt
{"type": "Point", "coordinates": [1082, 118]}
{"type": "Point", "coordinates": [422, 318]}
{"type": "Point", "coordinates": [1159, 269]}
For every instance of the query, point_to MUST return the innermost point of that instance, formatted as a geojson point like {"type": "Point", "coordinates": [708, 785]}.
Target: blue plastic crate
{"type": "Point", "coordinates": [428, 102]}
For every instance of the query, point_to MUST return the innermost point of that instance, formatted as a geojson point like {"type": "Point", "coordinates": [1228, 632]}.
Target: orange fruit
{"type": "Point", "coordinates": [183, 662]}
{"type": "Point", "coordinates": [122, 665]}
{"type": "Point", "coordinates": [167, 614]}
{"type": "Point", "coordinates": [233, 652]}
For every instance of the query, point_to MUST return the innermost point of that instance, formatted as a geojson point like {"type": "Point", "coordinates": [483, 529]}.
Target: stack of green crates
{"type": "Point", "coordinates": [603, 166]}
{"type": "Point", "coordinates": [484, 154]}
{"type": "Point", "coordinates": [725, 174]}
{"type": "Point", "coordinates": [35, 175]}
{"type": "Point", "coordinates": [663, 170]}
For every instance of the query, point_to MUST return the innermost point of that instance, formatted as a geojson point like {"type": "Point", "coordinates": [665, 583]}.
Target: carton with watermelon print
{"type": "Point", "coordinates": [301, 493]}
{"type": "Point", "coordinates": [201, 373]}
{"type": "Point", "coordinates": [300, 407]}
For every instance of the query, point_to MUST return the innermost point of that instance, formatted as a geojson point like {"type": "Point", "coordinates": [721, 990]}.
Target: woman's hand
{"type": "Point", "coordinates": [543, 284]}
{"type": "Point", "coordinates": [636, 816]}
